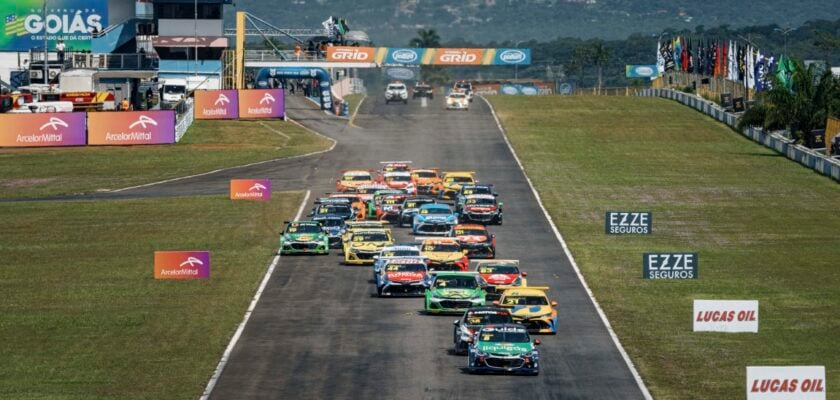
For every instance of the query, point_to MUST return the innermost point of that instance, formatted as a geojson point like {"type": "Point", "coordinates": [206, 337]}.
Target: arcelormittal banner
{"type": "Point", "coordinates": [261, 103]}
{"type": "Point", "coordinates": [40, 130]}
{"type": "Point", "coordinates": [216, 104]}
{"type": "Point", "coordinates": [131, 127]}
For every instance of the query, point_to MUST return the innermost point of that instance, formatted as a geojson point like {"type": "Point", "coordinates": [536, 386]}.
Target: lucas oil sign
{"type": "Point", "coordinates": [628, 223]}
{"type": "Point", "coordinates": [670, 266]}
{"type": "Point", "coordinates": [726, 316]}
{"type": "Point", "coordinates": [786, 383]}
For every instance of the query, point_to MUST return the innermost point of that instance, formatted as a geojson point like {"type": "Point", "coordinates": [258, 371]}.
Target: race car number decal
{"type": "Point", "coordinates": [473, 320]}
{"type": "Point", "coordinates": [429, 248]}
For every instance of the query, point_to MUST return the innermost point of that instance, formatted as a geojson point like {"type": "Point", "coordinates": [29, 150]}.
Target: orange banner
{"type": "Point", "coordinates": [458, 56]}
{"type": "Point", "coordinates": [832, 129]}
{"type": "Point", "coordinates": [350, 54]}
{"type": "Point", "coordinates": [182, 264]}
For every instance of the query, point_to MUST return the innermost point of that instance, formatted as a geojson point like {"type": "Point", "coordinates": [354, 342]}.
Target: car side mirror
{"type": "Point", "coordinates": [554, 304]}
{"type": "Point", "coordinates": [456, 322]}
{"type": "Point", "coordinates": [524, 274]}
{"type": "Point", "coordinates": [501, 203]}
{"type": "Point", "coordinates": [495, 302]}
{"type": "Point", "coordinates": [537, 342]}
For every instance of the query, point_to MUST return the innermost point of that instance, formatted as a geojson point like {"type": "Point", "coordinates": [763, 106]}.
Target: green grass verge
{"type": "Point", "coordinates": [353, 100]}
{"type": "Point", "coordinates": [81, 315]}
{"type": "Point", "coordinates": [208, 145]}
{"type": "Point", "coordinates": [765, 228]}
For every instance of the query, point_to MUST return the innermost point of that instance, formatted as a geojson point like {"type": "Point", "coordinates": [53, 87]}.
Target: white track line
{"type": "Point", "coordinates": [233, 340]}
{"type": "Point", "coordinates": [334, 142]}
{"type": "Point", "coordinates": [288, 138]}
{"type": "Point", "coordinates": [636, 376]}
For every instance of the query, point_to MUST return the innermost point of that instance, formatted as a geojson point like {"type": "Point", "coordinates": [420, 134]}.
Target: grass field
{"type": "Point", "coordinates": [208, 145]}
{"type": "Point", "coordinates": [354, 100]}
{"type": "Point", "coordinates": [81, 316]}
{"type": "Point", "coordinates": [765, 228]}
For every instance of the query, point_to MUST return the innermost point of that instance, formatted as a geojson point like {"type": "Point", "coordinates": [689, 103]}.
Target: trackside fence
{"type": "Point", "coordinates": [184, 118]}
{"type": "Point", "coordinates": [812, 159]}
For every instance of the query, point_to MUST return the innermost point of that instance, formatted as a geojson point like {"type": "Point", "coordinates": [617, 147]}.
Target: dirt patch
{"type": "Point", "coordinates": [24, 183]}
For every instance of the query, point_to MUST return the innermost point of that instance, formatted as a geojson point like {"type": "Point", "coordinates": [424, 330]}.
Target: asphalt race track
{"type": "Point", "coordinates": [319, 331]}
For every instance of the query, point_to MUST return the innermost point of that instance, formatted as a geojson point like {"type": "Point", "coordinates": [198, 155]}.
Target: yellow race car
{"type": "Point", "coordinates": [365, 244]}
{"type": "Point", "coordinates": [355, 226]}
{"type": "Point", "coordinates": [350, 180]}
{"type": "Point", "coordinates": [444, 254]}
{"type": "Point", "coordinates": [452, 182]}
{"type": "Point", "coordinates": [530, 306]}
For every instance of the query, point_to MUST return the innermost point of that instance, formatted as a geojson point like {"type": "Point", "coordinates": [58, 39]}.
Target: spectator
{"type": "Point", "coordinates": [149, 98]}
{"type": "Point", "coordinates": [298, 51]}
{"type": "Point", "coordinates": [124, 104]}
{"type": "Point", "coordinates": [59, 48]}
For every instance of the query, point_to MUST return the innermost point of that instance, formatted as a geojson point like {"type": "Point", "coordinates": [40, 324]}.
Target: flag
{"type": "Point", "coordinates": [677, 54]}
{"type": "Point", "coordinates": [691, 60]}
{"type": "Point", "coordinates": [784, 71]}
{"type": "Point", "coordinates": [732, 65]}
{"type": "Point", "coordinates": [742, 63]}
{"type": "Point", "coordinates": [668, 54]}
{"type": "Point", "coordinates": [750, 68]}
{"type": "Point", "coordinates": [660, 58]}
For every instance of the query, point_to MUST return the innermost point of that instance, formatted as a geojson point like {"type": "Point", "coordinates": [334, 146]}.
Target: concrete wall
{"type": "Point", "coordinates": [186, 27]}
{"type": "Point", "coordinates": [812, 159]}
{"type": "Point", "coordinates": [119, 11]}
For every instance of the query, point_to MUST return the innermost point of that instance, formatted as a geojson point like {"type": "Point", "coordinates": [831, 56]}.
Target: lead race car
{"type": "Point", "coordinates": [472, 320]}
{"type": "Point", "coordinates": [350, 180]}
{"type": "Point", "coordinates": [505, 348]}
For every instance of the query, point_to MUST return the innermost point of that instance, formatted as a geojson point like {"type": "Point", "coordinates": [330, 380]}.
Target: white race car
{"type": "Point", "coordinates": [396, 92]}
{"type": "Point", "coordinates": [457, 101]}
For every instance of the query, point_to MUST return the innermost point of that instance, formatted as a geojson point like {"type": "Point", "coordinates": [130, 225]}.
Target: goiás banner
{"type": "Point", "coordinates": [131, 127]}
{"type": "Point", "coordinates": [42, 129]}
{"type": "Point", "coordinates": [25, 26]}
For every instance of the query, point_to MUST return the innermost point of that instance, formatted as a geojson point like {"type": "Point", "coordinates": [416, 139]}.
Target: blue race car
{"type": "Point", "coordinates": [333, 226]}
{"type": "Point", "coordinates": [391, 252]}
{"type": "Point", "coordinates": [434, 219]}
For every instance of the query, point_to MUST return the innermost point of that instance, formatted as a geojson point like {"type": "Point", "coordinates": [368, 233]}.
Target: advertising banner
{"type": "Point", "coordinates": [726, 316]}
{"type": "Point", "coordinates": [628, 223]}
{"type": "Point", "coordinates": [669, 266]}
{"type": "Point", "coordinates": [641, 71]}
{"type": "Point", "coordinates": [786, 383]}
{"type": "Point", "coordinates": [250, 189]}
{"type": "Point", "coordinates": [351, 54]}
{"type": "Point", "coordinates": [216, 104]}
{"type": "Point", "coordinates": [182, 264]}
{"type": "Point", "coordinates": [455, 56]}
{"type": "Point", "coordinates": [515, 89]}
{"type": "Point", "coordinates": [406, 56]}
{"type": "Point", "coordinates": [507, 57]}
{"type": "Point", "coordinates": [262, 103]}
{"type": "Point", "coordinates": [24, 24]}
{"type": "Point", "coordinates": [42, 129]}
{"type": "Point", "coordinates": [131, 127]}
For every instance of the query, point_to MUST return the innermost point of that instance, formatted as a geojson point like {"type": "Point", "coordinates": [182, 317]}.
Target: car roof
{"type": "Point", "coordinates": [440, 240]}
{"type": "Point", "coordinates": [459, 173]}
{"type": "Point", "coordinates": [488, 309]}
{"type": "Point", "coordinates": [398, 173]}
{"type": "Point", "coordinates": [400, 247]}
{"type": "Point", "coordinates": [524, 291]}
{"type": "Point", "coordinates": [304, 222]}
{"type": "Point", "coordinates": [435, 205]}
{"type": "Point", "coordinates": [470, 226]}
{"type": "Point", "coordinates": [356, 172]}
{"type": "Point", "coordinates": [509, 326]}
{"type": "Point", "coordinates": [481, 196]}
{"type": "Point", "coordinates": [405, 260]}
{"type": "Point", "coordinates": [478, 186]}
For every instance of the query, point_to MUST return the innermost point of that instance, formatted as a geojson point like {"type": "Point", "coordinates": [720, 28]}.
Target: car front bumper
{"type": "Point", "coordinates": [356, 257]}
{"type": "Point", "coordinates": [547, 325]}
{"type": "Point", "coordinates": [304, 248]}
{"type": "Point", "coordinates": [394, 289]}
{"type": "Point", "coordinates": [509, 365]}
{"type": "Point", "coordinates": [433, 228]}
{"type": "Point", "coordinates": [452, 306]}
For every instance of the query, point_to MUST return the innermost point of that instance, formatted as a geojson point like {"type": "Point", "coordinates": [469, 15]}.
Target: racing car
{"type": "Point", "coordinates": [452, 182]}
{"type": "Point", "coordinates": [444, 254]}
{"type": "Point", "coordinates": [352, 179]}
{"type": "Point", "coordinates": [354, 226]}
{"type": "Point", "coordinates": [367, 191]}
{"type": "Point", "coordinates": [530, 306]}
{"type": "Point", "coordinates": [400, 180]}
{"type": "Point", "coordinates": [395, 166]}
{"type": "Point", "coordinates": [333, 225]}
{"type": "Point", "coordinates": [395, 251]}
{"type": "Point", "coordinates": [499, 275]}
{"type": "Point", "coordinates": [364, 245]}
{"type": "Point", "coordinates": [466, 88]}
{"type": "Point", "coordinates": [468, 190]}
{"type": "Point", "coordinates": [402, 277]}
{"type": "Point", "coordinates": [434, 219]}
{"type": "Point", "coordinates": [427, 181]}
{"type": "Point", "coordinates": [389, 207]}
{"type": "Point", "coordinates": [358, 205]}
{"type": "Point", "coordinates": [476, 240]}
{"type": "Point", "coordinates": [304, 237]}
{"type": "Point", "coordinates": [376, 200]}
{"type": "Point", "coordinates": [482, 208]}
{"type": "Point", "coordinates": [457, 100]}
{"type": "Point", "coordinates": [505, 348]}
{"type": "Point", "coordinates": [472, 320]}
{"type": "Point", "coordinates": [453, 292]}
{"type": "Point", "coordinates": [337, 209]}
{"type": "Point", "coordinates": [410, 207]}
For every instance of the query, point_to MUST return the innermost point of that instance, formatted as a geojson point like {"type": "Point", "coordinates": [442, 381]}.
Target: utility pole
{"type": "Point", "coordinates": [46, 54]}
{"type": "Point", "coordinates": [785, 32]}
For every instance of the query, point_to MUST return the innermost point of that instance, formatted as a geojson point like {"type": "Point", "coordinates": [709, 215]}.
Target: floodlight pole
{"type": "Point", "coordinates": [46, 54]}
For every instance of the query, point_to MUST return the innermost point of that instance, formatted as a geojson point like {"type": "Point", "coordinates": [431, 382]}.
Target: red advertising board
{"type": "Point", "coordinates": [131, 127]}
{"type": "Point", "coordinates": [42, 129]}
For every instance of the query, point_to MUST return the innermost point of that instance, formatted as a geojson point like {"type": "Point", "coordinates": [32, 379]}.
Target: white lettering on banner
{"type": "Point", "coordinates": [42, 138]}
{"type": "Point", "coordinates": [345, 54]}
{"type": "Point", "coordinates": [117, 137]}
{"type": "Point", "coordinates": [260, 110]}
{"type": "Point", "coordinates": [184, 271]}
{"type": "Point", "coordinates": [726, 316]}
{"type": "Point", "coordinates": [214, 111]}
{"type": "Point", "coordinates": [462, 57]}
{"type": "Point", "coordinates": [786, 383]}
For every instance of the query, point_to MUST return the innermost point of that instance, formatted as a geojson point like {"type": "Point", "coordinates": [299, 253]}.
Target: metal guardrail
{"type": "Point", "coordinates": [132, 61]}
{"type": "Point", "coordinates": [284, 55]}
{"type": "Point", "coordinates": [184, 118]}
{"type": "Point", "coordinates": [774, 140]}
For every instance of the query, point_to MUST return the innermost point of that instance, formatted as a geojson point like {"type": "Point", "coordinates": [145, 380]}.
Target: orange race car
{"type": "Point", "coordinates": [357, 202]}
{"type": "Point", "coordinates": [350, 180]}
{"type": "Point", "coordinates": [427, 181]}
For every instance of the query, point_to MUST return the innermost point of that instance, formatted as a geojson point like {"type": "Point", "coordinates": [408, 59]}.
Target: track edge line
{"type": "Point", "coordinates": [616, 341]}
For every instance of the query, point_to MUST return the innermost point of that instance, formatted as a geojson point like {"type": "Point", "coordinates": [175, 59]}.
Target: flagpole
{"type": "Point", "coordinates": [46, 54]}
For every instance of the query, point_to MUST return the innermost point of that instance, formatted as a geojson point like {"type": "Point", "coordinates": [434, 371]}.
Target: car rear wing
{"type": "Point", "coordinates": [506, 287]}
{"type": "Point", "coordinates": [482, 263]}
{"type": "Point", "coordinates": [424, 238]}
{"type": "Point", "coordinates": [395, 162]}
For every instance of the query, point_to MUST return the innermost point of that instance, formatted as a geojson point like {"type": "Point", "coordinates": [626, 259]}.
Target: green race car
{"type": "Point", "coordinates": [304, 237]}
{"type": "Point", "coordinates": [454, 292]}
{"type": "Point", "coordinates": [504, 348]}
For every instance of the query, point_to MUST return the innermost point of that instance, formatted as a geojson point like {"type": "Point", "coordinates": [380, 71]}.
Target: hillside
{"type": "Point", "coordinates": [394, 22]}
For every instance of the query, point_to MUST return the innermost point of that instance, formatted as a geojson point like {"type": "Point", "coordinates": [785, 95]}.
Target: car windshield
{"type": "Point", "coordinates": [417, 203]}
{"type": "Point", "coordinates": [498, 269]}
{"type": "Point", "coordinates": [174, 89]}
{"type": "Point", "coordinates": [333, 209]}
{"type": "Point", "coordinates": [481, 201]}
{"type": "Point", "coordinates": [436, 210]}
{"type": "Point", "coordinates": [487, 318]}
{"type": "Point", "coordinates": [512, 335]}
{"type": "Point", "coordinates": [356, 178]}
{"type": "Point", "coordinates": [332, 222]}
{"type": "Point", "coordinates": [462, 85]}
{"type": "Point", "coordinates": [398, 178]}
{"type": "Point", "coordinates": [459, 179]}
{"type": "Point", "coordinates": [396, 87]}
{"type": "Point", "coordinates": [400, 253]}
{"type": "Point", "coordinates": [475, 190]}
{"type": "Point", "coordinates": [371, 237]}
{"type": "Point", "coordinates": [441, 247]}
{"type": "Point", "coordinates": [303, 228]}
{"type": "Point", "coordinates": [456, 282]}
{"type": "Point", "coordinates": [400, 267]}
{"type": "Point", "coordinates": [470, 232]}
{"type": "Point", "coordinates": [525, 301]}
{"type": "Point", "coordinates": [425, 174]}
